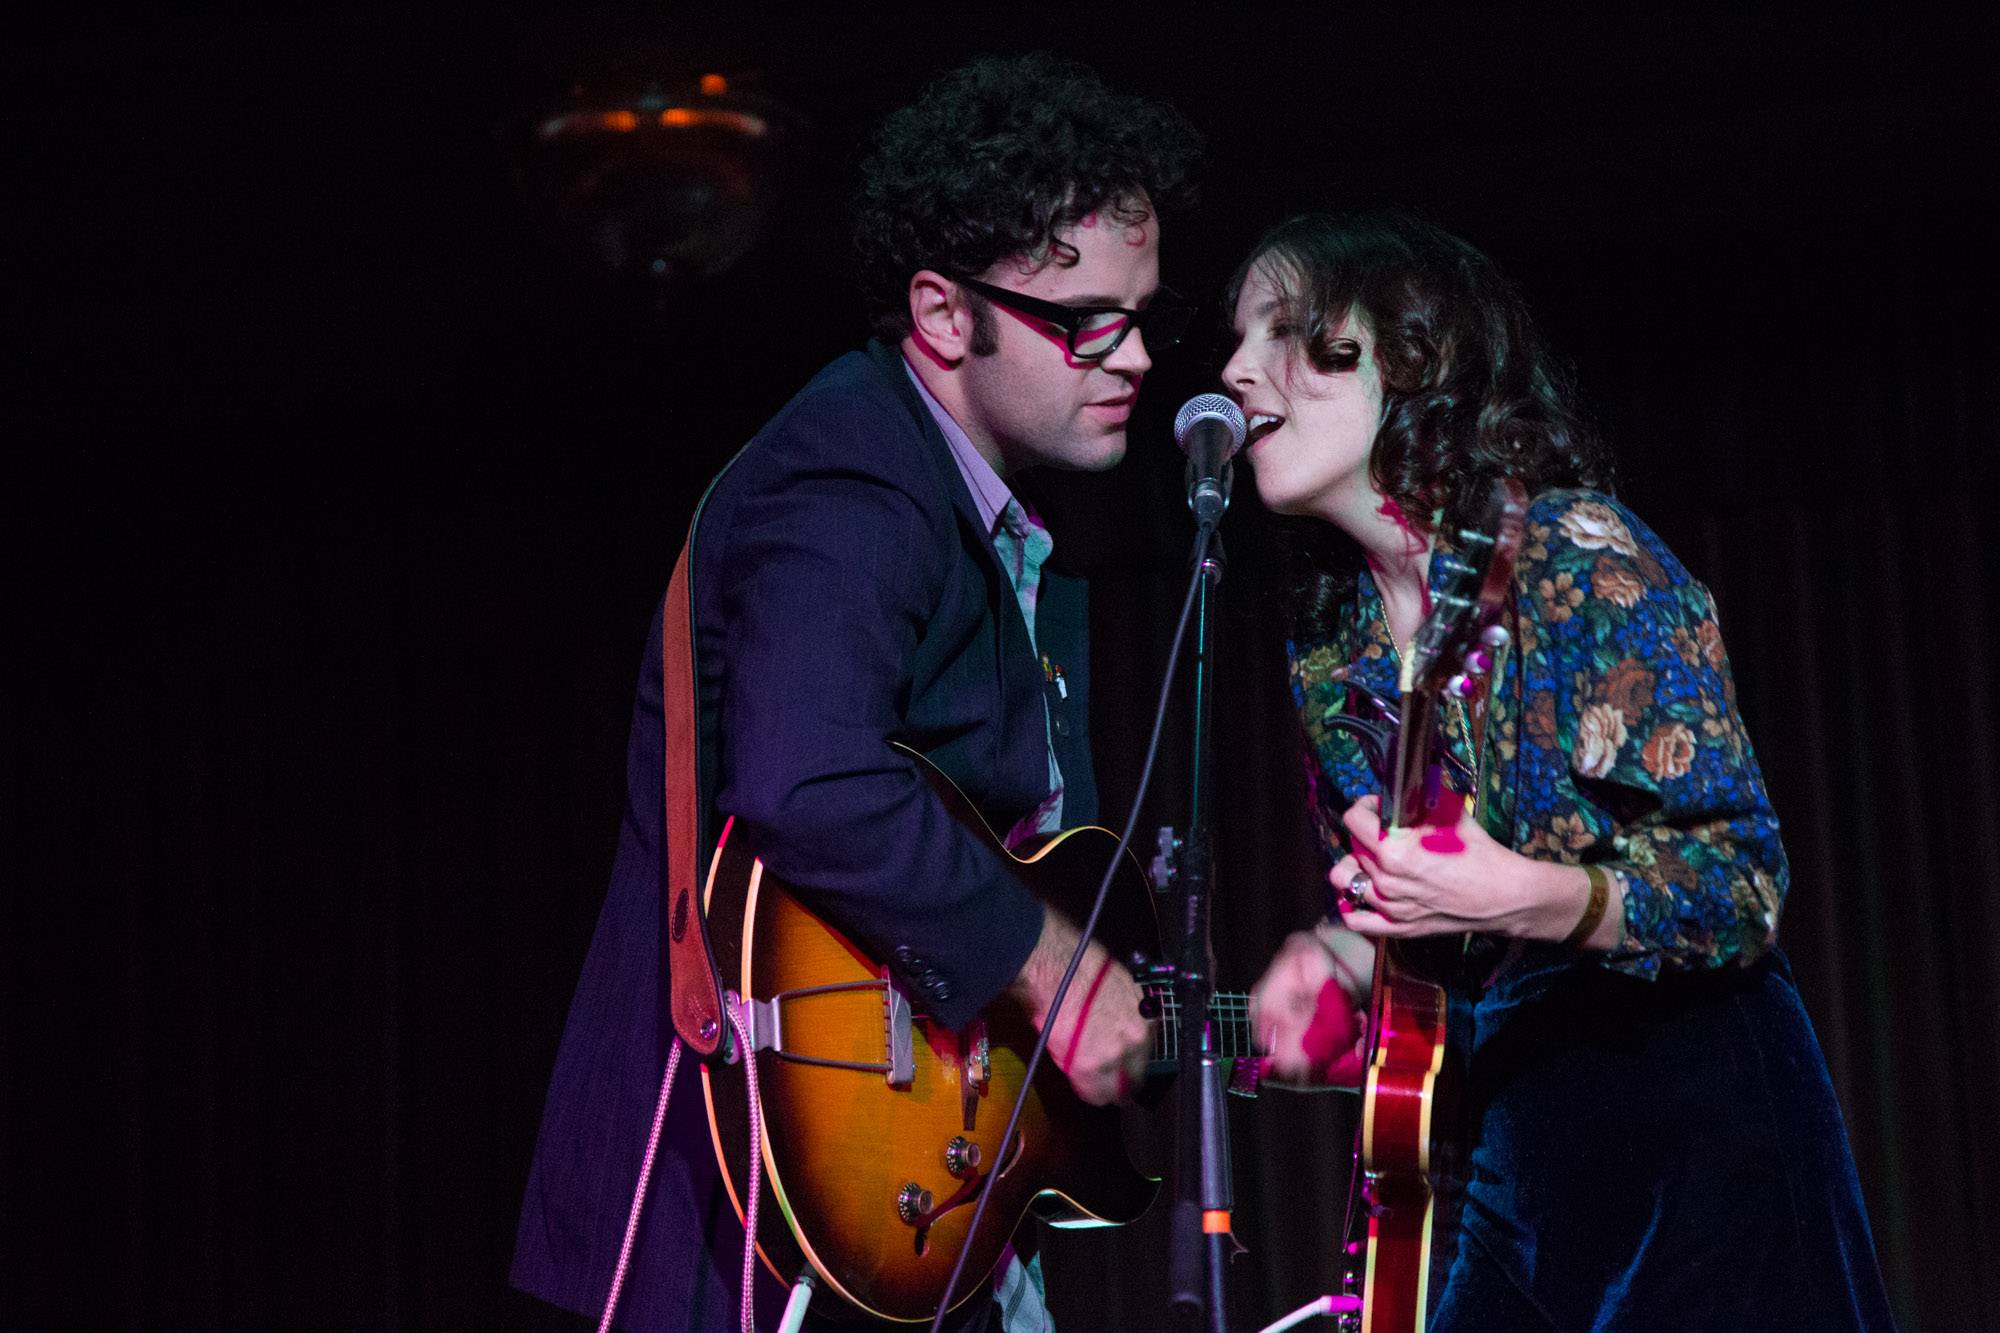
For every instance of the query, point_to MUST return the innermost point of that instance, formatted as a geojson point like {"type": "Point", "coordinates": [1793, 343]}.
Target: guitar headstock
{"type": "Point", "coordinates": [1454, 647]}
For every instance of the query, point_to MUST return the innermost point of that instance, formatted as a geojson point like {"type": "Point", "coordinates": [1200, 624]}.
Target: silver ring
{"type": "Point", "coordinates": [1356, 890]}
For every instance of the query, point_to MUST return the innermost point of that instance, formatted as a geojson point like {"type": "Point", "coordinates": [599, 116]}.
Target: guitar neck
{"type": "Point", "coordinates": [1414, 791]}
{"type": "Point", "coordinates": [1228, 1021]}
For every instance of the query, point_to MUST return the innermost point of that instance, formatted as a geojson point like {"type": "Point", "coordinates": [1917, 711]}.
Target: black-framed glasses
{"type": "Point", "coordinates": [1093, 332]}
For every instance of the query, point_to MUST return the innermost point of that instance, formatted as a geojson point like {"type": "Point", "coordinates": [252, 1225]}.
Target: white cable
{"type": "Point", "coordinates": [1325, 1305]}
{"type": "Point", "coordinates": [795, 1308]}
{"type": "Point", "coordinates": [639, 1194]}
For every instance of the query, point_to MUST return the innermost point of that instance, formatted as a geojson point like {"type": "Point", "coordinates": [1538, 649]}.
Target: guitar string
{"type": "Point", "coordinates": [1236, 1040]}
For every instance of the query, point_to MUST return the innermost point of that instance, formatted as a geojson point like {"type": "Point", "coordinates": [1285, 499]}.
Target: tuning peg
{"type": "Point", "coordinates": [1460, 685]}
{"type": "Point", "coordinates": [1478, 662]}
{"type": "Point", "coordinates": [1166, 859]}
{"type": "Point", "coordinates": [1495, 636]}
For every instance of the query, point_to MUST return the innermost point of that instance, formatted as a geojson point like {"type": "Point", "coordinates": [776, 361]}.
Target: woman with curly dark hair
{"type": "Point", "coordinates": [1654, 1140]}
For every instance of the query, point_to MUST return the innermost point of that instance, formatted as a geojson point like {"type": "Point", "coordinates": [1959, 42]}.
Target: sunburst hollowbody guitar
{"type": "Point", "coordinates": [881, 1127]}
{"type": "Point", "coordinates": [1406, 1119]}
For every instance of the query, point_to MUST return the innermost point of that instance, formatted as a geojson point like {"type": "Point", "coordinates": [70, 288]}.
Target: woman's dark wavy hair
{"type": "Point", "coordinates": [1470, 391]}
{"type": "Point", "coordinates": [995, 159]}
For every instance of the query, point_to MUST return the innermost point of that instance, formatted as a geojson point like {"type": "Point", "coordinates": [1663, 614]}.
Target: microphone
{"type": "Point", "coordinates": [1209, 431]}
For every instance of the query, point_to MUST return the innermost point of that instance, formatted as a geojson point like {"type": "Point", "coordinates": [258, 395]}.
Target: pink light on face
{"type": "Point", "coordinates": [1135, 235]}
{"type": "Point", "coordinates": [1110, 329]}
{"type": "Point", "coordinates": [1049, 331]}
{"type": "Point", "coordinates": [923, 345]}
{"type": "Point", "coordinates": [1392, 511]}
{"type": "Point", "coordinates": [1087, 221]}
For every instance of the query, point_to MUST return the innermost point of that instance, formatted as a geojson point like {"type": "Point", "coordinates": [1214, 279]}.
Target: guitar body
{"type": "Point", "coordinates": [844, 1146]}
{"type": "Point", "coordinates": [1405, 1123]}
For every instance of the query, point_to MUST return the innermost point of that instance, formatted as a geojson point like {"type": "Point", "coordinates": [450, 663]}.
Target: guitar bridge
{"type": "Point", "coordinates": [766, 1021]}
{"type": "Point", "coordinates": [896, 1039]}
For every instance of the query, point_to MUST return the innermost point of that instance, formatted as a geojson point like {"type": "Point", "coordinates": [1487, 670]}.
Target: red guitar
{"type": "Point", "coordinates": [1405, 1126]}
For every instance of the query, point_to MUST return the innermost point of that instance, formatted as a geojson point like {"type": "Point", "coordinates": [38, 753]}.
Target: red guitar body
{"type": "Point", "coordinates": [1408, 1123]}
{"type": "Point", "coordinates": [1405, 1106]}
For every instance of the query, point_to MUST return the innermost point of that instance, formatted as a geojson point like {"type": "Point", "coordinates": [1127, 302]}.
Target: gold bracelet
{"type": "Point", "coordinates": [1593, 911]}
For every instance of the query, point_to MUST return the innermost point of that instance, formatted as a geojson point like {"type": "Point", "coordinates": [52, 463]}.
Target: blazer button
{"type": "Point", "coordinates": [941, 991]}
{"type": "Point", "coordinates": [905, 954]}
{"type": "Point", "coordinates": [1061, 723]}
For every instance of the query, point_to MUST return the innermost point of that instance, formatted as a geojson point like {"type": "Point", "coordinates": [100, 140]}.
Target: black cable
{"type": "Point", "coordinates": [1202, 539]}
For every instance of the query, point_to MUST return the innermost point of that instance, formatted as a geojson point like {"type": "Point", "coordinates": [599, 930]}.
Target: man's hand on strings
{"type": "Point", "coordinates": [1098, 1038]}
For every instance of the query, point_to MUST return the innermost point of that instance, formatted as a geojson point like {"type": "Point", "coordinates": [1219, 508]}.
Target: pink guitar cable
{"type": "Point", "coordinates": [737, 1021]}
{"type": "Point", "coordinates": [639, 1195]}
{"type": "Point", "coordinates": [749, 1310]}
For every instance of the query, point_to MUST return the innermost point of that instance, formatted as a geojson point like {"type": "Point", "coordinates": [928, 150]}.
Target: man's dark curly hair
{"type": "Point", "coordinates": [994, 160]}
{"type": "Point", "coordinates": [1470, 391]}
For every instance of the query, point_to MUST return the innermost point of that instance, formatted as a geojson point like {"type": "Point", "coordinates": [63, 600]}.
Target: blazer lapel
{"type": "Point", "coordinates": [1020, 672]}
{"type": "Point", "coordinates": [1014, 626]}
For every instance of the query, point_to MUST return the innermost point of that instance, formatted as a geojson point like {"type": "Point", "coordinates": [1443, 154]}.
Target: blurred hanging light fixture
{"type": "Point", "coordinates": [658, 183]}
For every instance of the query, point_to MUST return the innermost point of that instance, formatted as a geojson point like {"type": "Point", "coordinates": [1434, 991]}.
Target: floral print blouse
{"type": "Point", "coordinates": [1612, 735]}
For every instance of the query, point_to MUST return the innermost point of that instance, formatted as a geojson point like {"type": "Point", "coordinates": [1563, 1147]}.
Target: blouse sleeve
{"type": "Point", "coordinates": [1628, 751]}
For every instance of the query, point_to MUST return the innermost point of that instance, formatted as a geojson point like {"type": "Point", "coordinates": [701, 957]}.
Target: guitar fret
{"type": "Point", "coordinates": [1229, 1015]}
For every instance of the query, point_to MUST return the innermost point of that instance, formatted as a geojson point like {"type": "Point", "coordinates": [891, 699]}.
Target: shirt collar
{"type": "Point", "coordinates": [989, 492]}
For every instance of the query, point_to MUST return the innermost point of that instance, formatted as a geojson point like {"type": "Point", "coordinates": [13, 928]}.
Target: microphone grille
{"type": "Point", "coordinates": [1213, 407]}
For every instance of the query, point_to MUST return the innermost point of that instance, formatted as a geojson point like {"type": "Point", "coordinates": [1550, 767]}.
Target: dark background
{"type": "Point", "coordinates": [342, 499]}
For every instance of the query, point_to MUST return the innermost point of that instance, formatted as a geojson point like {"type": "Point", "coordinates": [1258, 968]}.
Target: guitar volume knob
{"type": "Point", "coordinates": [913, 1201]}
{"type": "Point", "coordinates": [961, 1157]}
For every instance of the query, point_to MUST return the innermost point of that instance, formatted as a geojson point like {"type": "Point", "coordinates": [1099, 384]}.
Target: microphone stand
{"type": "Point", "coordinates": [1200, 1224]}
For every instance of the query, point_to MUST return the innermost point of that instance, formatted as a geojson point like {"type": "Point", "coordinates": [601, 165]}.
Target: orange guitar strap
{"type": "Point", "coordinates": [696, 992]}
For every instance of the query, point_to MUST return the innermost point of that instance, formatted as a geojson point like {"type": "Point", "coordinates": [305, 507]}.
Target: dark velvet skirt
{"type": "Point", "coordinates": [1654, 1154]}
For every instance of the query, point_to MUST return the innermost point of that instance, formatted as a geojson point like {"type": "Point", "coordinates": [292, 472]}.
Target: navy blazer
{"type": "Point", "coordinates": [845, 595]}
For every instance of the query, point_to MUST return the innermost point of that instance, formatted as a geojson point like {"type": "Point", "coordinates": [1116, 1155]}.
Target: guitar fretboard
{"type": "Point", "coordinates": [1228, 1020]}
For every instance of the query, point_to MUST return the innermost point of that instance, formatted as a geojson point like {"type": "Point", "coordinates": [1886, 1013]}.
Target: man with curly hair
{"type": "Point", "coordinates": [863, 574]}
